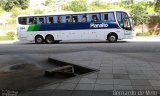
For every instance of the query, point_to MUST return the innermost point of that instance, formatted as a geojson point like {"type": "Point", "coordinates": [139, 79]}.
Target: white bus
{"type": "Point", "coordinates": [103, 25]}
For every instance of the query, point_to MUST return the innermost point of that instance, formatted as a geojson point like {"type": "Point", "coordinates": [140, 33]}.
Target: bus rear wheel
{"type": "Point", "coordinates": [49, 39]}
{"type": "Point", "coordinates": [38, 39]}
{"type": "Point", "coordinates": [112, 38]}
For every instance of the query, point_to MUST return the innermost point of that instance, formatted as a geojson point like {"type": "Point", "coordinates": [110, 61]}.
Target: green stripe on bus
{"type": "Point", "coordinates": [36, 27]}
{"type": "Point", "coordinates": [33, 28]}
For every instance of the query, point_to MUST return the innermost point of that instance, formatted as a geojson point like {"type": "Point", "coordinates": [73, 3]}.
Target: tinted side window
{"type": "Point", "coordinates": [31, 20]}
{"type": "Point", "coordinates": [120, 16]}
{"type": "Point", "coordinates": [107, 16]}
{"type": "Point", "coordinates": [75, 18]}
{"type": "Point", "coordinates": [40, 20]}
{"type": "Point", "coordinates": [55, 19]}
{"type": "Point", "coordinates": [22, 20]}
{"type": "Point", "coordinates": [59, 19]}
{"type": "Point", "coordinates": [84, 19]}
{"type": "Point", "coordinates": [95, 17]}
{"type": "Point", "coordinates": [124, 15]}
{"type": "Point", "coordinates": [50, 20]}
{"type": "Point", "coordinates": [68, 19]}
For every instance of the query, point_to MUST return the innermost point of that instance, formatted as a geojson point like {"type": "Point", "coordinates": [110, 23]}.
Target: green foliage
{"type": "Point", "coordinates": [23, 4]}
{"type": "Point", "coordinates": [95, 5]}
{"type": "Point", "coordinates": [49, 2]}
{"type": "Point", "coordinates": [157, 6]}
{"type": "Point", "coordinates": [76, 6]}
{"type": "Point", "coordinates": [9, 4]}
{"type": "Point", "coordinates": [143, 34]}
{"type": "Point", "coordinates": [15, 12]}
{"type": "Point", "coordinates": [139, 12]}
{"type": "Point", "coordinates": [2, 38]}
{"type": "Point", "coordinates": [1, 3]}
{"type": "Point", "coordinates": [1, 10]}
{"type": "Point", "coordinates": [11, 35]}
{"type": "Point", "coordinates": [38, 11]}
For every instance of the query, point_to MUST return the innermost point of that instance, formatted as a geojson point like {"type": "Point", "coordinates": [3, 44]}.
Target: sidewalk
{"type": "Point", "coordinates": [144, 39]}
{"type": "Point", "coordinates": [8, 42]}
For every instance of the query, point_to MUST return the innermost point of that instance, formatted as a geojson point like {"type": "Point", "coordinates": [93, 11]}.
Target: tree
{"type": "Point", "coordinates": [9, 4]}
{"type": "Point", "coordinates": [76, 6]}
{"type": "Point", "coordinates": [23, 4]}
{"type": "Point", "coordinates": [139, 13]}
{"type": "Point", "coordinates": [1, 3]}
{"type": "Point", "coordinates": [49, 2]}
{"type": "Point", "coordinates": [157, 6]}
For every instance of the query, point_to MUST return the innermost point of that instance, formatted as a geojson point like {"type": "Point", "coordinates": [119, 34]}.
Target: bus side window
{"type": "Point", "coordinates": [107, 17]}
{"type": "Point", "coordinates": [63, 19]}
{"type": "Point", "coordinates": [84, 19]}
{"type": "Point", "coordinates": [95, 17]}
{"type": "Point", "coordinates": [55, 19]}
{"type": "Point", "coordinates": [32, 20]}
{"type": "Point", "coordinates": [111, 16]}
{"type": "Point", "coordinates": [89, 17]}
{"type": "Point", "coordinates": [40, 20]}
{"type": "Point", "coordinates": [75, 18]}
{"type": "Point", "coordinates": [50, 20]}
{"type": "Point", "coordinates": [119, 16]}
{"type": "Point", "coordinates": [124, 15]}
{"type": "Point", "coordinates": [59, 19]}
{"type": "Point", "coordinates": [68, 19]}
{"type": "Point", "coordinates": [22, 20]}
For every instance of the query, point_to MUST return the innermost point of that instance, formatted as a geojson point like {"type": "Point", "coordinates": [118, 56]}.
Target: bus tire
{"type": "Point", "coordinates": [49, 39]}
{"type": "Point", "coordinates": [112, 38]}
{"type": "Point", "coordinates": [39, 39]}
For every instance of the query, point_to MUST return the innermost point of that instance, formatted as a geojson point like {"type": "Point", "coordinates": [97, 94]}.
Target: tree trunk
{"type": "Point", "coordinates": [142, 27]}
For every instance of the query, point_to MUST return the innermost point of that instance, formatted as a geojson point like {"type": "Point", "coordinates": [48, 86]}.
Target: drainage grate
{"type": "Point", "coordinates": [76, 69]}
{"type": "Point", "coordinates": [64, 71]}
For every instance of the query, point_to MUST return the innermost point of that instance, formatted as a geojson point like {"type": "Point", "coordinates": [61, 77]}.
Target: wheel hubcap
{"type": "Point", "coordinates": [39, 40]}
{"type": "Point", "coordinates": [112, 38]}
{"type": "Point", "coordinates": [49, 39]}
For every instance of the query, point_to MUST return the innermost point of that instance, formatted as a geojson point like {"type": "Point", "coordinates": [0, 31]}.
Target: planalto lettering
{"type": "Point", "coordinates": [102, 25]}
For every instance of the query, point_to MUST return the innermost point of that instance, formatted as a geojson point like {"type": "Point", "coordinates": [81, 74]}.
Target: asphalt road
{"type": "Point", "coordinates": [149, 51]}
{"type": "Point", "coordinates": [119, 47]}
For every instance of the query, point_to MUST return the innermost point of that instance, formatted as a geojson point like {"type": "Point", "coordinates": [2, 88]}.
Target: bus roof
{"type": "Point", "coordinates": [70, 13]}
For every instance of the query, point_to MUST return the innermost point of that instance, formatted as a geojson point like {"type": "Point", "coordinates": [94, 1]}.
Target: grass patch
{"type": "Point", "coordinates": [9, 36]}
{"type": "Point", "coordinates": [143, 34]}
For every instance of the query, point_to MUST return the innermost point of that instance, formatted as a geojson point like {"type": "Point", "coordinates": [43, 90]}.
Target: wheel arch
{"type": "Point", "coordinates": [112, 33]}
{"type": "Point", "coordinates": [49, 35]}
{"type": "Point", "coordinates": [37, 36]}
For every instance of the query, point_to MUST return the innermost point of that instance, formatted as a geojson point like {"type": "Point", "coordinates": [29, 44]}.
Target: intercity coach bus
{"type": "Point", "coordinates": [110, 25]}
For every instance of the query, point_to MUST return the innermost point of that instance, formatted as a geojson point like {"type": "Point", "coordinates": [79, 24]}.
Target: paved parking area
{"type": "Point", "coordinates": [125, 65]}
{"type": "Point", "coordinates": [116, 72]}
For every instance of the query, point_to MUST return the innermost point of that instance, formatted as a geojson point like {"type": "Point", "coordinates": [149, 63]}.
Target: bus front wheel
{"type": "Point", "coordinates": [112, 38]}
{"type": "Point", "coordinates": [49, 39]}
{"type": "Point", "coordinates": [38, 39]}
